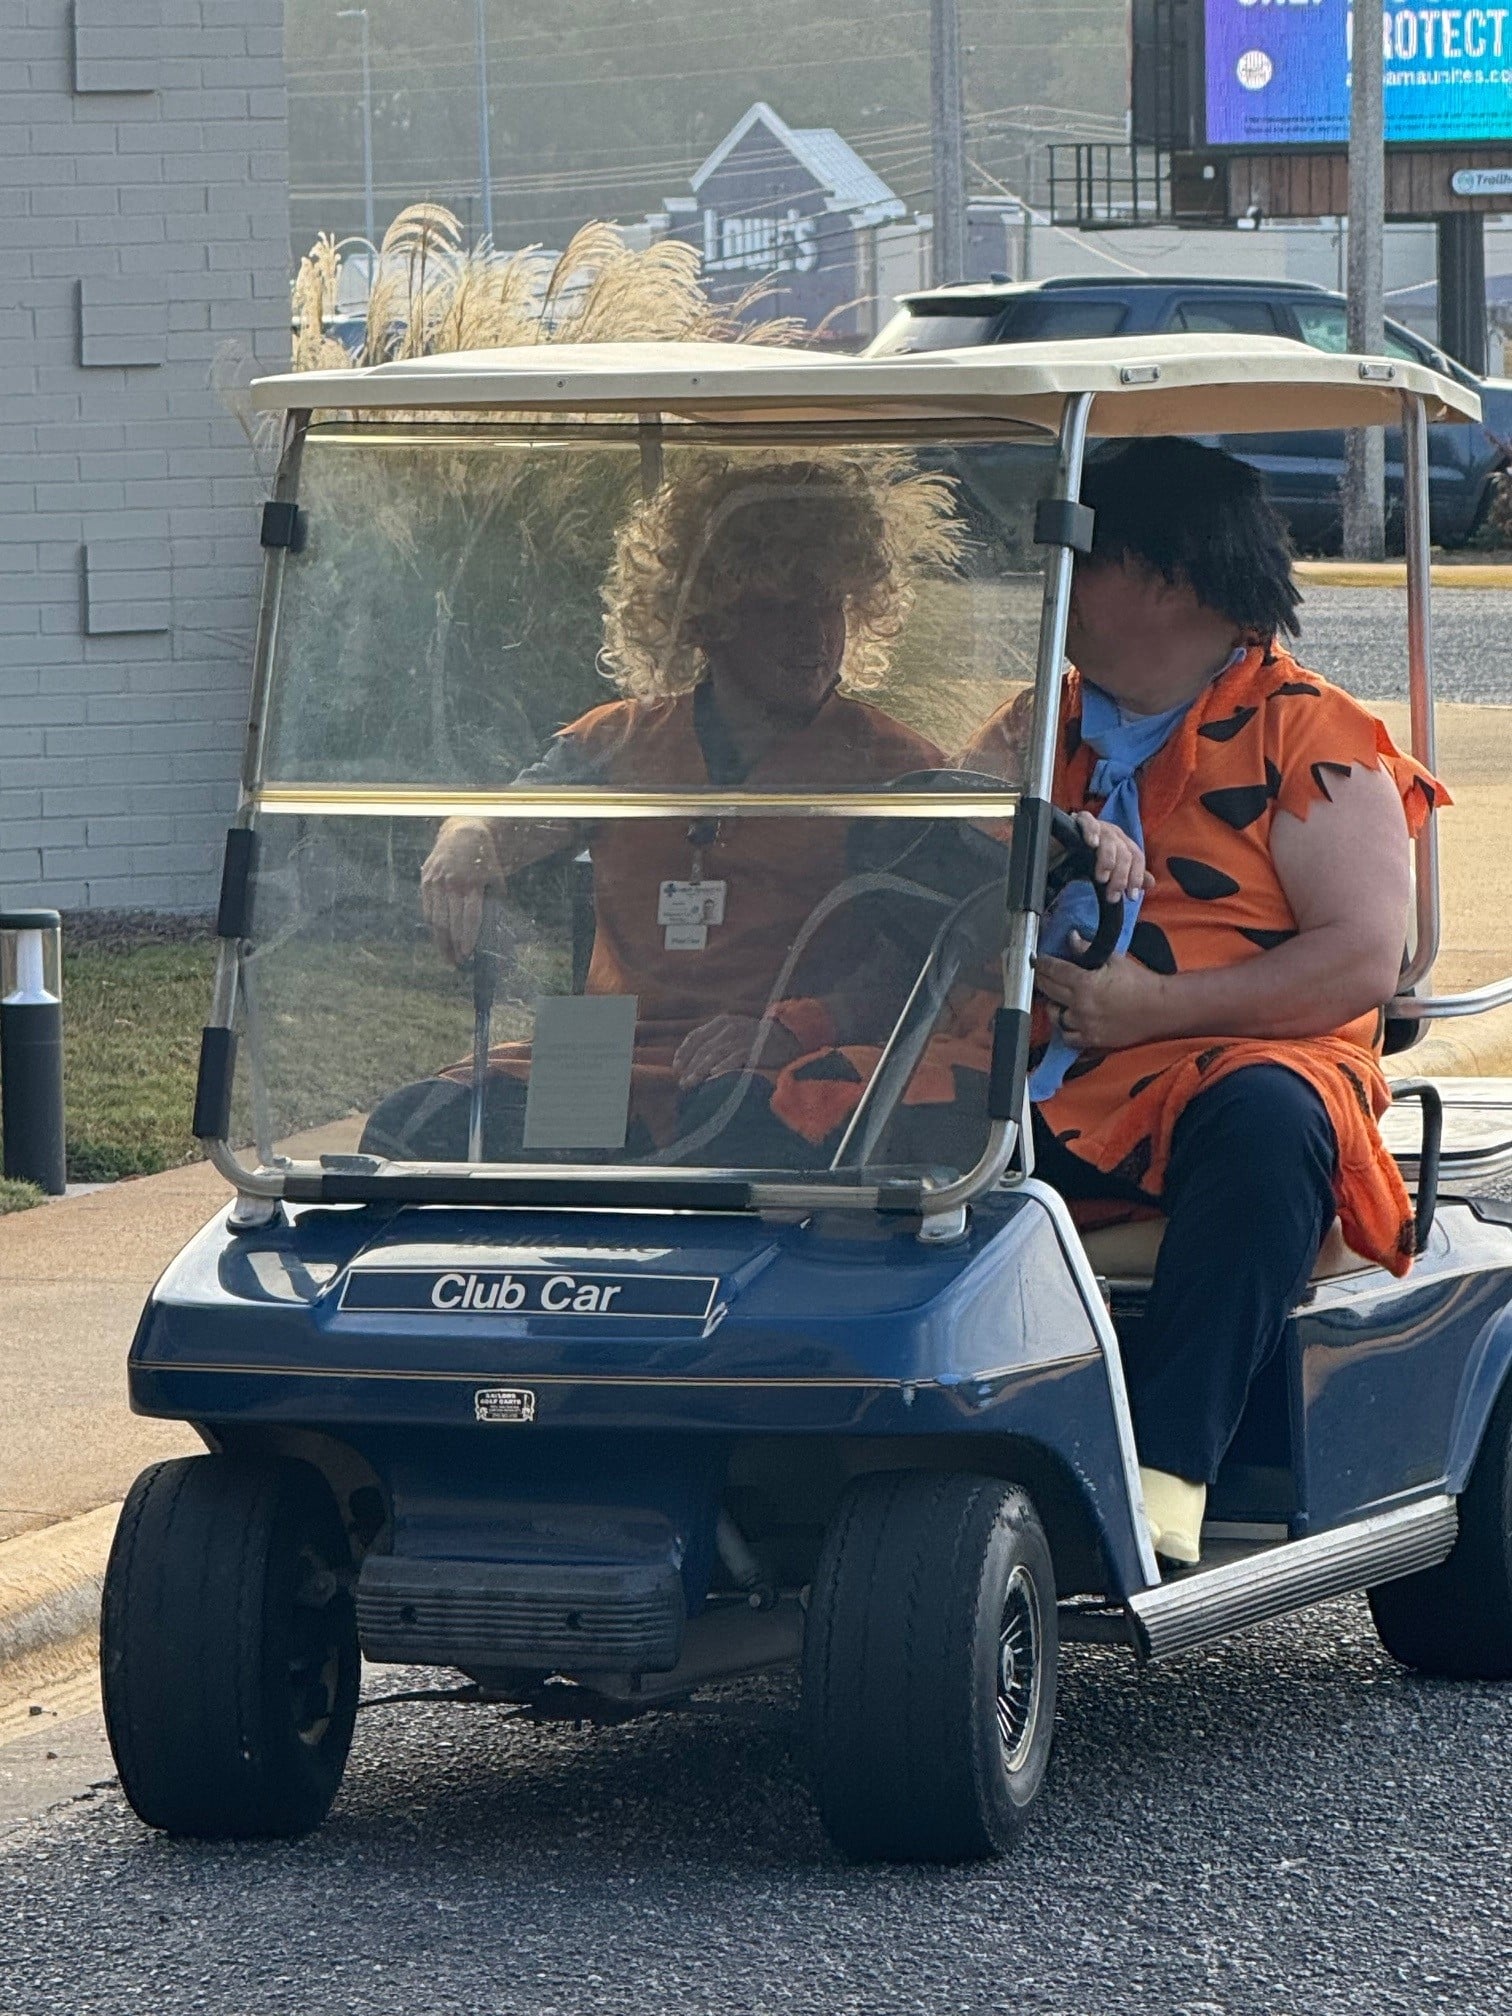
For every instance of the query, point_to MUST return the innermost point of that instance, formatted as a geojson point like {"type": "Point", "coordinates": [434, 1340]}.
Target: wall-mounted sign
{"type": "Point", "coordinates": [786, 244]}
{"type": "Point", "coordinates": [1277, 73]}
{"type": "Point", "coordinates": [1481, 181]}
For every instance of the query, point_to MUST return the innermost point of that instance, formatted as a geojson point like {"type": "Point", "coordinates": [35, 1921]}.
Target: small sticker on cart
{"type": "Point", "coordinates": [504, 1403]}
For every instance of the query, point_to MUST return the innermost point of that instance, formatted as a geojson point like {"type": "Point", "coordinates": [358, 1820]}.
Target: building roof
{"type": "Point", "coordinates": [848, 183]}
{"type": "Point", "coordinates": [1140, 384]}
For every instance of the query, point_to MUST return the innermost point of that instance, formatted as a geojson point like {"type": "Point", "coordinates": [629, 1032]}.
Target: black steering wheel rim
{"type": "Point", "coordinates": [954, 860]}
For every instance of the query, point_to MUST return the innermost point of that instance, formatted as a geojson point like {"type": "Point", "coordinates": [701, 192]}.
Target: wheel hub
{"type": "Point", "coordinates": [1019, 1668]}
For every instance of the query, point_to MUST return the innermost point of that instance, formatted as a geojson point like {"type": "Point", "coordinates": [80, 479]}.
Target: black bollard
{"type": "Point", "coordinates": [31, 1047]}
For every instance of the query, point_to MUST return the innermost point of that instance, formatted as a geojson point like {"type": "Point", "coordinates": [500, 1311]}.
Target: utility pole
{"type": "Point", "coordinates": [369, 229]}
{"type": "Point", "coordinates": [948, 127]}
{"type": "Point", "coordinates": [485, 172]}
{"type": "Point", "coordinates": [1365, 456]}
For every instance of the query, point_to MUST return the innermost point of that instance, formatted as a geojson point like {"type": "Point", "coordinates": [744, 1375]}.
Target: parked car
{"type": "Point", "coordinates": [1303, 470]}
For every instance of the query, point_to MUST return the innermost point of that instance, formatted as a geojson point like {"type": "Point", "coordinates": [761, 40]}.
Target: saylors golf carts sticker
{"type": "Point", "coordinates": [504, 1403]}
{"type": "Point", "coordinates": [529, 1291]}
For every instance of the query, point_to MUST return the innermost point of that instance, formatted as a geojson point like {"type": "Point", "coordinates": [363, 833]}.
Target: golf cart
{"type": "Point", "coordinates": [598, 1407]}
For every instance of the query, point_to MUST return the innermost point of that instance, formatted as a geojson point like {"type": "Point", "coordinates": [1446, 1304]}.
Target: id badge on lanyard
{"type": "Point", "coordinates": [687, 910]}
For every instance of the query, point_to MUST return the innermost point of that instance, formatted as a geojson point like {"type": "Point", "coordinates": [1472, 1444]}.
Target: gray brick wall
{"type": "Point", "coordinates": [144, 155]}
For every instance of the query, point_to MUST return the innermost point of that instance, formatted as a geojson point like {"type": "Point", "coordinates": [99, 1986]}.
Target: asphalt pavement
{"type": "Point", "coordinates": [1288, 1825]}
{"type": "Point", "coordinates": [1284, 1825]}
{"type": "Point", "coordinates": [1358, 636]}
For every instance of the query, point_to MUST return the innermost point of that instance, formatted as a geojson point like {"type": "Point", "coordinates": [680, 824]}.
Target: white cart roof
{"type": "Point", "coordinates": [1143, 384]}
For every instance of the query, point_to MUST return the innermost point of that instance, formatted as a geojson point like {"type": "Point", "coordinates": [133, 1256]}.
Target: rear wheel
{"type": "Point", "coordinates": [929, 1668]}
{"type": "Point", "coordinates": [1456, 1620]}
{"type": "Point", "coordinates": [228, 1648]}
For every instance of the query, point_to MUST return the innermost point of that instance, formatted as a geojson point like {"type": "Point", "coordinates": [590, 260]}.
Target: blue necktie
{"type": "Point", "coordinates": [1123, 744]}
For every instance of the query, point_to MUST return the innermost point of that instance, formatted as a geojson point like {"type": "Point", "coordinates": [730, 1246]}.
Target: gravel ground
{"type": "Point", "coordinates": [1287, 1825]}
{"type": "Point", "coordinates": [1358, 636]}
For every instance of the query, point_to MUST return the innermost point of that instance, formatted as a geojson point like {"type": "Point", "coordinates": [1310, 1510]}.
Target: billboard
{"type": "Point", "coordinates": [1277, 72]}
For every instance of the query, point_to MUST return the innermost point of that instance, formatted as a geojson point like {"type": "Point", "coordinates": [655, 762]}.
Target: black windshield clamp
{"type": "Point", "coordinates": [1029, 855]}
{"type": "Point", "coordinates": [1009, 1072]}
{"type": "Point", "coordinates": [1060, 521]}
{"type": "Point", "coordinates": [234, 912]}
{"type": "Point", "coordinates": [283, 525]}
{"type": "Point", "coordinates": [212, 1090]}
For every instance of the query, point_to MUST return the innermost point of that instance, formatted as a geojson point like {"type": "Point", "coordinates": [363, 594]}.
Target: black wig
{"type": "Point", "coordinates": [1198, 516]}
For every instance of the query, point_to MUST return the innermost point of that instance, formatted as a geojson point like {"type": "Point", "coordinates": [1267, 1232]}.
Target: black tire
{"type": "Point", "coordinates": [228, 1648]}
{"type": "Point", "coordinates": [919, 1579]}
{"type": "Point", "coordinates": [1456, 1620]}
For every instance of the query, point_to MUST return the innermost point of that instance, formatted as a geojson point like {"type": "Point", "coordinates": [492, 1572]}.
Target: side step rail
{"type": "Point", "coordinates": [1212, 1603]}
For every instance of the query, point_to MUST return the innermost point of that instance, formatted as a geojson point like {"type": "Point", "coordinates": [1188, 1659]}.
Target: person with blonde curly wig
{"type": "Point", "coordinates": [747, 600]}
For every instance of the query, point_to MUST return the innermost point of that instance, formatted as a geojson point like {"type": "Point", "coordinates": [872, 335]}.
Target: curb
{"type": "Point", "coordinates": [1393, 574]}
{"type": "Point", "coordinates": [50, 1583]}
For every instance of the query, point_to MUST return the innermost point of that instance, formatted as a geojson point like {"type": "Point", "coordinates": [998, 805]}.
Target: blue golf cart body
{"type": "Point", "coordinates": [594, 1432]}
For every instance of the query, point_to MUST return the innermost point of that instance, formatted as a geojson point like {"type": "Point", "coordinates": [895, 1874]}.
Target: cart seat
{"type": "Point", "coordinates": [1126, 1252]}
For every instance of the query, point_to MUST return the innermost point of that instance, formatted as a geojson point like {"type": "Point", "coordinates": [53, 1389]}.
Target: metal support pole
{"type": "Point", "coordinates": [1420, 680]}
{"type": "Point", "coordinates": [31, 1048]}
{"type": "Point", "coordinates": [1462, 287]}
{"type": "Point", "coordinates": [369, 228]}
{"type": "Point", "coordinates": [948, 125]}
{"type": "Point", "coordinates": [1365, 460]}
{"type": "Point", "coordinates": [485, 171]}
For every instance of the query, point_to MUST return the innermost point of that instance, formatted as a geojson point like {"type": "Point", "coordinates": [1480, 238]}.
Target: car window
{"type": "Point", "coordinates": [1325, 326]}
{"type": "Point", "coordinates": [1232, 318]}
{"type": "Point", "coordinates": [1044, 319]}
{"type": "Point", "coordinates": [913, 330]}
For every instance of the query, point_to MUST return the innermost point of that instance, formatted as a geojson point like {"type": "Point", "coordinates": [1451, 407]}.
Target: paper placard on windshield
{"type": "Point", "coordinates": [580, 1055]}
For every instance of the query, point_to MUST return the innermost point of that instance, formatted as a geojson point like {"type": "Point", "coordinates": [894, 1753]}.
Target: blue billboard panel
{"type": "Point", "coordinates": [1278, 72]}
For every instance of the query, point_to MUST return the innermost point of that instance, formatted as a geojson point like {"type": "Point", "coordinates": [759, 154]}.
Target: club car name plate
{"type": "Point", "coordinates": [529, 1291]}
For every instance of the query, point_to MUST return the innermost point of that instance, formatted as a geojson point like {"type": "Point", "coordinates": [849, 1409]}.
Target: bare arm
{"type": "Point", "coordinates": [1346, 871]}
{"type": "Point", "coordinates": [471, 859]}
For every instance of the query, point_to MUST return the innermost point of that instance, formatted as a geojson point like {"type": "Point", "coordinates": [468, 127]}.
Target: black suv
{"type": "Point", "coordinates": [1303, 471]}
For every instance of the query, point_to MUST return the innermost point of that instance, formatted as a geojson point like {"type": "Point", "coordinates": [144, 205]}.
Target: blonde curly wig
{"type": "Point", "coordinates": [856, 527]}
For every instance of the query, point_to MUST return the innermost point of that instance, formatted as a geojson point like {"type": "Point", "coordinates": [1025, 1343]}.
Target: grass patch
{"type": "Point", "coordinates": [341, 1026]}
{"type": "Point", "coordinates": [16, 1196]}
{"type": "Point", "coordinates": [131, 1023]}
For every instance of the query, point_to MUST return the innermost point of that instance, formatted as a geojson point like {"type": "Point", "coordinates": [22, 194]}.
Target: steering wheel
{"type": "Point", "coordinates": [1076, 864]}
{"type": "Point", "coordinates": [951, 860]}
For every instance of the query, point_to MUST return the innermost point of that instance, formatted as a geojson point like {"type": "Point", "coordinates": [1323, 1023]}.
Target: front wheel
{"type": "Point", "coordinates": [929, 1667]}
{"type": "Point", "coordinates": [228, 1648]}
{"type": "Point", "coordinates": [1456, 1620]}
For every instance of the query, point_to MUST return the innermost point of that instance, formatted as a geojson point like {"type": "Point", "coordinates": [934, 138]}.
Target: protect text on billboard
{"type": "Point", "coordinates": [1278, 72]}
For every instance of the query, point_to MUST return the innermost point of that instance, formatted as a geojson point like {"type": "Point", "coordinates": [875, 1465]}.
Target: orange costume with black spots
{"type": "Point", "coordinates": [1263, 738]}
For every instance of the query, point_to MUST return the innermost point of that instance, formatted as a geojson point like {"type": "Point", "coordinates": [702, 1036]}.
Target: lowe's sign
{"type": "Point", "coordinates": [1278, 71]}
{"type": "Point", "coordinates": [788, 244]}
{"type": "Point", "coordinates": [795, 208]}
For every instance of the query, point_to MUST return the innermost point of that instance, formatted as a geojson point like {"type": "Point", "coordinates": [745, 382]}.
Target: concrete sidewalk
{"type": "Point", "coordinates": [73, 1276]}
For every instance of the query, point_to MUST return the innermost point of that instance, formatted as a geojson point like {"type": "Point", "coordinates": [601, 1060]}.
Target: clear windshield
{"type": "Point", "coordinates": [609, 809]}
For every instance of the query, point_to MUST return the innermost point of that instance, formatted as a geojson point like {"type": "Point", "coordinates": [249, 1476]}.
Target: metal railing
{"type": "Point", "coordinates": [1108, 185]}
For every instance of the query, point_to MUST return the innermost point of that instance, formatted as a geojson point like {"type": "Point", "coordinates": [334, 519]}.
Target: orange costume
{"type": "Point", "coordinates": [1263, 737]}
{"type": "Point", "coordinates": [775, 872]}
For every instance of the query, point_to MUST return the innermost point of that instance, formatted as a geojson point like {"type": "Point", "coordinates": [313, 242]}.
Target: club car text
{"type": "Point", "coordinates": [530, 1291]}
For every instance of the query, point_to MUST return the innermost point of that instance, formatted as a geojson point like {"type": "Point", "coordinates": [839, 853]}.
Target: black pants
{"type": "Point", "coordinates": [1249, 1196]}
